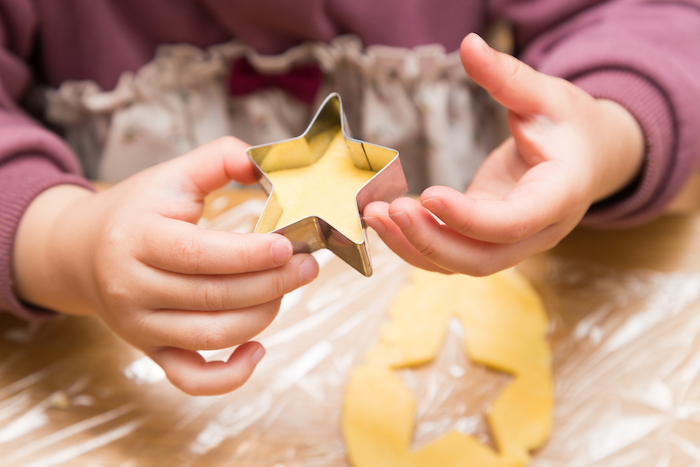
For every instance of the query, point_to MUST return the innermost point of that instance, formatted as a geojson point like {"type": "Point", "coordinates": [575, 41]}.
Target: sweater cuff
{"type": "Point", "coordinates": [640, 201]}
{"type": "Point", "coordinates": [22, 179]}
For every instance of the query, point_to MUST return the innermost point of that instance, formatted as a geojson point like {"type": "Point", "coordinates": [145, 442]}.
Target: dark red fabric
{"type": "Point", "coordinates": [301, 81]}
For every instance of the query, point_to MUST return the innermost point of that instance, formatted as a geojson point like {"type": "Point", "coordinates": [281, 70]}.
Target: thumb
{"type": "Point", "coordinates": [211, 166]}
{"type": "Point", "coordinates": [511, 82]}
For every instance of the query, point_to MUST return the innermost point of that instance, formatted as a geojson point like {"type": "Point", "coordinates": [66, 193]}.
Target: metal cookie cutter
{"type": "Point", "coordinates": [313, 233]}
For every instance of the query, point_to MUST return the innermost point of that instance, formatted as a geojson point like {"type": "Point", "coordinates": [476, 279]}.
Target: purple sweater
{"type": "Point", "coordinates": [644, 54]}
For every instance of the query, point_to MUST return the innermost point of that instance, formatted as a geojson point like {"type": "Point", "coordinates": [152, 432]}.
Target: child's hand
{"type": "Point", "coordinates": [133, 255]}
{"type": "Point", "coordinates": [567, 151]}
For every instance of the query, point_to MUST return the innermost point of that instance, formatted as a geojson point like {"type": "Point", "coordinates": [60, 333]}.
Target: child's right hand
{"type": "Point", "coordinates": [133, 255]}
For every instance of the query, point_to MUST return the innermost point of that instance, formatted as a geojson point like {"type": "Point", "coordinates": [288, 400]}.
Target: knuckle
{"type": "Point", "coordinates": [215, 336]}
{"type": "Point", "coordinates": [142, 333]}
{"type": "Point", "coordinates": [514, 67]}
{"type": "Point", "coordinates": [191, 251]}
{"type": "Point", "coordinates": [280, 284]}
{"type": "Point", "coordinates": [520, 230]}
{"type": "Point", "coordinates": [213, 294]}
{"type": "Point", "coordinates": [115, 293]}
{"type": "Point", "coordinates": [115, 237]}
{"type": "Point", "coordinates": [464, 226]}
{"type": "Point", "coordinates": [245, 253]}
{"type": "Point", "coordinates": [517, 233]}
{"type": "Point", "coordinates": [429, 248]}
{"type": "Point", "coordinates": [210, 335]}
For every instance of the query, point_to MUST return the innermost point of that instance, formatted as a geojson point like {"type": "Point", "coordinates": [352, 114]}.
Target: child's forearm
{"type": "Point", "coordinates": [622, 139]}
{"type": "Point", "coordinates": [47, 251]}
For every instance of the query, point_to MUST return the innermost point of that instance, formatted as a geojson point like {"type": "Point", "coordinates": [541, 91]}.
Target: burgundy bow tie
{"type": "Point", "coordinates": [301, 81]}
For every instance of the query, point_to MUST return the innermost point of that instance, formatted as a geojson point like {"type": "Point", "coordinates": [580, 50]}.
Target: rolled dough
{"type": "Point", "coordinates": [505, 329]}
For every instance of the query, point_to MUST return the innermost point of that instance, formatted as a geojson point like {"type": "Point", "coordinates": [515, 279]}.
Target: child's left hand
{"type": "Point", "coordinates": [567, 151]}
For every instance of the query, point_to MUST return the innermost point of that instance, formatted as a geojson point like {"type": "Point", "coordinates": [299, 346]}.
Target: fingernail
{"type": "Point", "coordinates": [482, 42]}
{"type": "Point", "coordinates": [308, 269]}
{"type": "Point", "coordinates": [376, 223]}
{"type": "Point", "coordinates": [401, 219]}
{"type": "Point", "coordinates": [281, 251]}
{"type": "Point", "coordinates": [434, 205]}
{"type": "Point", "coordinates": [257, 355]}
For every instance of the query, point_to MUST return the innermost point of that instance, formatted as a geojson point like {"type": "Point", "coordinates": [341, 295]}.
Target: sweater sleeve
{"type": "Point", "coordinates": [32, 159]}
{"type": "Point", "coordinates": [642, 54]}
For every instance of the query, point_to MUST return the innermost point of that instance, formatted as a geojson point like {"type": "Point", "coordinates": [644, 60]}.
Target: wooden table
{"type": "Point", "coordinates": [65, 398]}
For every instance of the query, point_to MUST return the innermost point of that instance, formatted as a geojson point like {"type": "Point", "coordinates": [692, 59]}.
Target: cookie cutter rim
{"type": "Point", "coordinates": [313, 233]}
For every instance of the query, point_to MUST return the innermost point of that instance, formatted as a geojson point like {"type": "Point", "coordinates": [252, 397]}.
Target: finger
{"type": "Point", "coordinates": [455, 252]}
{"type": "Point", "coordinates": [376, 215]}
{"type": "Point", "coordinates": [545, 195]}
{"type": "Point", "coordinates": [200, 292]}
{"type": "Point", "coordinates": [181, 247]}
{"type": "Point", "coordinates": [509, 81]}
{"type": "Point", "coordinates": [211, 166]}
{"type": "Point", "coordinates": [189, 372]}
{"type": "Point", "coordinates": [205, 330]}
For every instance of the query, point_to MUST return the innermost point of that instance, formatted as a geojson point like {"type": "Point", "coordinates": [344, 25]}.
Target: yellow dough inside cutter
{"type": "Point", "coordinates": [325, 189]}
{"type": "Point", "coordinates": [505, 329]}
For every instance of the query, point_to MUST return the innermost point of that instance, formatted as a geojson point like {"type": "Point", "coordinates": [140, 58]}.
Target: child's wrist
{"type": "Point", "coordinates": [46, 253]}
{"type": "Point", "coordinates": [622, 154]}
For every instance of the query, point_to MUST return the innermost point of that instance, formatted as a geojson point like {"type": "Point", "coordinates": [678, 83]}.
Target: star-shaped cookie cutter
{"type": "Point", "coordinates": [314, 233]}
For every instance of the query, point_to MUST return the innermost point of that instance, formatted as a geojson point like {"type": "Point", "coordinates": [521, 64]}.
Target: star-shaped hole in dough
{"type": "Point", "coordinates": [319, 183]}
{"type": "Point", "coordinates": [443, 386]}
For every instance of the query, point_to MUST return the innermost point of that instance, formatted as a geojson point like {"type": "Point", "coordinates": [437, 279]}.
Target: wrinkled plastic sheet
{"type": "Point", "coordinates": [626, 353]}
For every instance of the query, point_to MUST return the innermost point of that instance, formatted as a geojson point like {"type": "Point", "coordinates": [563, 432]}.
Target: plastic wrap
{"type": "Point", "coordinates": [626, 363]}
